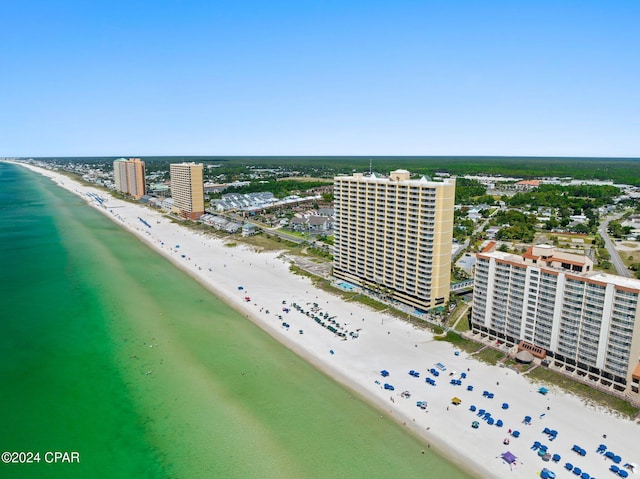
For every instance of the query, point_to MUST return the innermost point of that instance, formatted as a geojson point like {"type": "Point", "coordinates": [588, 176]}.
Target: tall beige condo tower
{"type": "Point", "coordinates": [129, 177]}
{"type": "Point", "coordinates": [187, 189]}
{"type": "Point", "coordinates": [393, 235]}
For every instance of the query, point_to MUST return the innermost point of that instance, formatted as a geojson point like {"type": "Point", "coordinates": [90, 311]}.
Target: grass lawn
{"type": "Point", "coordinates": [462, 326]}
{"type": "Point", "coordinates": [629, 257]}
{"type": "Point", "coordinates": [589, 394]}
{"type": "Point", "coordinates": [490, 356]}
{"type": "Point", "coordinates": [460, 342]}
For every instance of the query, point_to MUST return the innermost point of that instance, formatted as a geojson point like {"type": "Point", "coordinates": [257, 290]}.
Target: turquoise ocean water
{"type": "Point", "coordinates": [109, 351]}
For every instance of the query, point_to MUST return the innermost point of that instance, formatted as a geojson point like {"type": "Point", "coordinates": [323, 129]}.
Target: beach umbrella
{"type": "Point", "coordinates": [577, 471]}
{"type": "Point", "coordinates": [616, 459]}
{"type": "Point", "coordinates": [505, 405]}
{"type": "Point", "coordinates": [614, 468]}
{"type": "Point", "coordinates": [515, 433]}
{"type": "Point", "coordinates": [499, 423]}
{"type": "Point", "coordinates": [609, 454]}
{"type": "Point", "coordinates": [527, 419]}
{"type": "Point", "coordinates": [469, 388]}
{"type": "Point", "coordinates": [472, 408]}
{"type": "Point", "coordinates": [623, 473]}
{"type": "Point", "coordinates": [490, 421]}
{"type": "Point", "coordinates": [556, 458]}
{"type": "Point", "coordinates": [585, 476]}
{"type": "Point", "coordinates": [568, 466]}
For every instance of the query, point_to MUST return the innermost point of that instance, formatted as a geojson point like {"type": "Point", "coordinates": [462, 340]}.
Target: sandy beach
{"type": "Point", "coordinates": [260, 285]}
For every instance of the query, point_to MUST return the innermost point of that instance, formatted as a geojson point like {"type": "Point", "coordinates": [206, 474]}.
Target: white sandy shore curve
{"type": "Point", "coordinates": [385, 342]}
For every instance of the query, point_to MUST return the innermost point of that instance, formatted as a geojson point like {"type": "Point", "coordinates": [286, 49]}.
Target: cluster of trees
{"type": "Point", "coordinates": [616, 230]}
{"type": "Point", "coordinates": [471, 192]}
{"type": "Point", "coordinates": [579, 197]}
{"type": "Point", "coordinates": [519, 226]}
{"type": "Point", "coordinates": [635, 267]}
{"type": "Point", "coordinates": [463, 226]}
{"type": "Point", "coordinates": [280, 188]}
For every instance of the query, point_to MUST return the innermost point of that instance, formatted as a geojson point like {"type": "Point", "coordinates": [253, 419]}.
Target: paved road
{"type": "Point", "coordinates": [615, 257]}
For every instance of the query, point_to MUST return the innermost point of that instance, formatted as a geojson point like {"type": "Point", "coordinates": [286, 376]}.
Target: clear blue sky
{"type": "Point", "coordinates": [482, 77]}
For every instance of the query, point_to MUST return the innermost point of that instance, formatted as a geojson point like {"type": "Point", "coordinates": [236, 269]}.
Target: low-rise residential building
{"type": "Point", "coordinates": [249, 229]}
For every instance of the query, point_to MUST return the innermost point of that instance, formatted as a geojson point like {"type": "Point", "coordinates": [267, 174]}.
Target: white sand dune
{"type": "Point", "coordinates": [388, 343]}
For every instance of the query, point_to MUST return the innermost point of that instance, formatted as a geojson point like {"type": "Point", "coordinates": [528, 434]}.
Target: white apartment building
{"type": "Point", "coordinates": [393, 235]}
{"type": "Point", "coordinates": [585, 323]}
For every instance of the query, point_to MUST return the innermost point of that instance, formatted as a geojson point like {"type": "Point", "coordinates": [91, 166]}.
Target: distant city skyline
{"type": "Point", "coordinates": [286, 78]}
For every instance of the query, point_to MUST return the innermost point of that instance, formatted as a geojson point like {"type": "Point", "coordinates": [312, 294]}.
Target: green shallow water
{"type": "Point", "coordinates": [109, 350]}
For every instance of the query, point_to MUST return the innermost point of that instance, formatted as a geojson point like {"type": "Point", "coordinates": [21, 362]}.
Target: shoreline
{"type": "Point", "coordinates": [390, 344]}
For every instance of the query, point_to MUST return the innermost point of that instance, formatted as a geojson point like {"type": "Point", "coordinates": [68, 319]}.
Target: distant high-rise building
{"type": "Point", "coordinates": [393, 235]}
{"type": "Point", "coordinates": [551, 303]}
{"type": "Point", "coordinates": [129, 177]}
{"type": "Point", "coordinates": [187, 189]}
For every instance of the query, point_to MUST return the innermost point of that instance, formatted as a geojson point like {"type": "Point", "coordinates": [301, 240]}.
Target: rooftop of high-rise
{"type": "Point", "coordinates": [549, 258]}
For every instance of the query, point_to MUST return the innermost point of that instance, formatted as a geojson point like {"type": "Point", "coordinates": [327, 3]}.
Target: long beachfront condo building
{"type": "Point", "coordinates": [187, 189]}
{"type": "Point", "coordinates": [582, 322]}
{"type": "Point", "coordinates": [129, 177]}
{"type": "Point", "coordinates": [393, 236]}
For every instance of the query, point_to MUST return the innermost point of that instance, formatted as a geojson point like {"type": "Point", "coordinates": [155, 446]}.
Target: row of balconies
{"type": "Point", "coordinates": [619, 330]}
{"type": "Point", "coordinates": [618, 343]}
